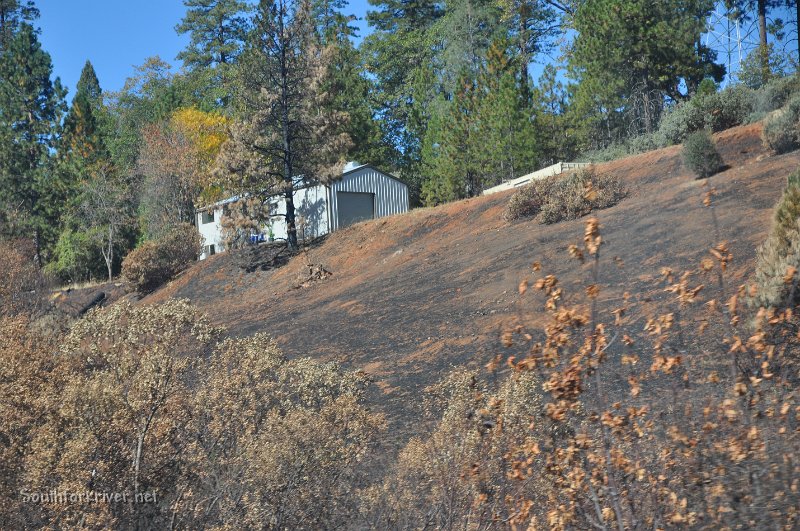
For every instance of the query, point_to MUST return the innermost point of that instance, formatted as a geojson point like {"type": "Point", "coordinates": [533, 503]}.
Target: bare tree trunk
{"type": "Point", "coordinates": [288, 169]}
{"type": "Point", "coordinates": [37, 243]}
{"type": "Point", "coordinates": [109, 255]}
{"type": "Point", "coordinates": [762, 39]}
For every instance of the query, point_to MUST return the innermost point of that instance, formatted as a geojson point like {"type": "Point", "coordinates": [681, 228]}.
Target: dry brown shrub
{"type": "Point", "coordinates": [465, 473]}
{"type": "Point", "coordinates": [560, 198]}
{"type": "Point", "coordinates": [26, 376]}
{"type": "Point", "coordinates": [155, 262]}
{"type": "Point", "coordinates": [670, 427]}
{"type": "Point", "coordinates": [149, 399]}
{"type": "Point", "coordinates": [22, 285]}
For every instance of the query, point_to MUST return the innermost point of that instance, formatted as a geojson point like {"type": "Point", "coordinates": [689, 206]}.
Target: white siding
{"type": "Point", "coordinates": [311, 211]}
{"type": "Point", "coordinates": [316, 205]}
{"type": "Point", "coordinates": [211, 232]}
{"type": "Point", "coordinates": [391, 195]}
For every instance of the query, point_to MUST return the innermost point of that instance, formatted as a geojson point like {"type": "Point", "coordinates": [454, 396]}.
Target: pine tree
{"type": "Point", "coordinates": [454, 172]}
{"type": "Point", "coordinates": [398, 53]}
{"type": "Point", "coordinates": [464, 34]}
{"type": "Point", "coordinates": [508, 143]}
{"type": "Point", "coordinates": [217, 31]}
{"type": "Point", "coordinates": [286, 138]}
{"type": "Point", "coordinates": [82, 142]}
{"type": "Point", "coordinates": [12, 14]}
{"type": "Point", "coordinates": [352, 91]}
{"type": "Point", "coordinates": [31, 106]}
{"type": "Point", "coordinates": [531, 26]}
{"type": "Point", "coordinates": [631, 54]}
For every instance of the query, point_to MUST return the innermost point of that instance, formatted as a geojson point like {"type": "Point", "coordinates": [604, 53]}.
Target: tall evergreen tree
{"type": "Point", "coordinates": [398, 53]}
{"type": "Point", "coordinates": [484, 135]}
{"type": "Point", "coordinates": [82, 142]}
{"type": "Point", "coordinates": [631, 54]}
{"type": "Point", "coordinates": [286, 138]}
{"type": "Point", "coordinates": [217, 31]}
{"type": "Point", "coordinates": [12, 14]}
{"type": "Point", "coordinates": [452, 171]}
{"type": "Point", "coordinates": [531, 25]}
{"type": "Point", "coordinates": [31, 106]}
{"type": "Point", "coordinates": [463, 36]}
{"type": "Point", "coordinates": [507, 143]}
{"type": "Point", "coordinates": [351, 90]}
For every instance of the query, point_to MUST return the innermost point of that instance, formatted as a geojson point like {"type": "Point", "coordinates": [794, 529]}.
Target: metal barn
{"type": "Point", "coordinates": [363, 192]}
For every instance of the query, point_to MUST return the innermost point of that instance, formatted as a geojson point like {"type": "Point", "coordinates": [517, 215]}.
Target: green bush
{"type": "Point", "coordinates": [717, 112]}
{"type": "Point", "coordinates": [775, 94]}
{"type": "Point", "coordinates": [780, 252]}
{"type": "Point", "coordinates": [155, 262]}
{"type": "Point", "coordinates": [700, 154]}
{"type": "Point", "coordinates": [781, 128]}
{"type": "Point", "coordinates": [613, 152]}
{"type": "Point", "coordinates": [76, 258]}
{"type": "Point", "coordinates": [793, 179]}
{"type": "Point", "coordinates": [681, 120]}
{"type": "Point", "coordinates": [561, 198]}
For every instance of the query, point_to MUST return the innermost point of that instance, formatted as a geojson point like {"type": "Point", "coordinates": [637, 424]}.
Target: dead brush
{"type": "Point", "coordinates": [560, 198]}
{"type": "Point", "coordinates": [677, 418]}
{"type": "Point", "coordinates": [715, 454]}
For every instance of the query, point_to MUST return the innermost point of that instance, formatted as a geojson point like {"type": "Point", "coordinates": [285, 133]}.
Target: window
{"type": "Point", "coordinates": [210, 250]}
{"type": "Point", "coordinates": [208, 217]}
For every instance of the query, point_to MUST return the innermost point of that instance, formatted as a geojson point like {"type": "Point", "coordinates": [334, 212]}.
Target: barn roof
{"type": "Point", "coordinates": [359, 168]}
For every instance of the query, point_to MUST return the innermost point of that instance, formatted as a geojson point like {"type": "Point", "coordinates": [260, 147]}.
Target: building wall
{"type": "Point", "coordinates": [211, 232]}
{"type": "Point", "coordinates": [391, 195]}
{"type": "Point", "coordinates": [311, 211]}
{"type": "Point", "coordinates": [315, 206]}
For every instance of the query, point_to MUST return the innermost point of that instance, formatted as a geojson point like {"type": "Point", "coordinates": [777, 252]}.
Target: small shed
{"type": "Point", "coordinates": [363, 192]}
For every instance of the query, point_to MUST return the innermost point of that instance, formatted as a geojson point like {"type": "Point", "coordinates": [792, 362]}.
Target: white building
{"type": "Point", "coordinates": [363, 192]}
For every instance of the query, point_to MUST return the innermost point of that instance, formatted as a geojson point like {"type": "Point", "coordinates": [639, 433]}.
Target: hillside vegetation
{"type": "Point", "coordinates": [443, 367]}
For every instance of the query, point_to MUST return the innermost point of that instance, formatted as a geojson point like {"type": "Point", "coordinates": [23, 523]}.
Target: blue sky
{"type": "Point", "coordinates": [115, 35]}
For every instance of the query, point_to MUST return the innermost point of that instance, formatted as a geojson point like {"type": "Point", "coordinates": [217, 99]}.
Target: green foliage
{"type": "Point", "coordinates": [716, 112]}
{"type": "Point", "coordinates": [352, 91]}
{"type": "Point", "coordinates": [466, 31]}
{"type": "Point", "coordinates": [560, 198]}
{"type": "Point", "coordinates": [707, 87]}
{"type": "Point", "coordinates": [76, 258]}
{"type": "Point", "coordinates": [398, 53]}
{"type": "Point", "coordinates": [151, 95]}
{"type": "Point", "coordinates": [31, 106]}
{"type": "Point", "coordinates": [484, 136]}
{"type": "Point", "coordinates": [217, 33]}
{"type": "Point", "coordinates": [217, 30]}
{"type": "Point", "coordinates": [775, 94]}
{"type": "Point", "coordinates": [781, 127]}
{"type": "Point", "coordinates": [779, 255]}
{"type": "Point", "coordinates": [620, 51]}
{"type": "Point", "coordinates": [700, 154]}
{"type": "Point", "coordinates": [13, 13]}
{"type": "Point", "coordinates": [155, 262]}
{"type": "Point", "coordinates": [761, 66]}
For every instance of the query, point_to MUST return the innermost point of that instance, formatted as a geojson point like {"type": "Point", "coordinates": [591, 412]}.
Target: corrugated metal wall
{"type": "Point", "coordinates": [391, 195]}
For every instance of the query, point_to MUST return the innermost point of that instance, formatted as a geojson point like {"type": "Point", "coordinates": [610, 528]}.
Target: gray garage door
{"type": "Point", "coordinates": [353, 207]}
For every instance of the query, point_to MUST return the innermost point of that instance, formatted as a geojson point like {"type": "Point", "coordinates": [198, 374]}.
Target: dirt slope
{"type": "Point", "coordinates": [412, 296]}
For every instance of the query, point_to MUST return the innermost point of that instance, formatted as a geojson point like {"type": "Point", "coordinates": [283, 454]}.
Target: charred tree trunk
{"type": "Point", "coordinates": [288, 155]}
